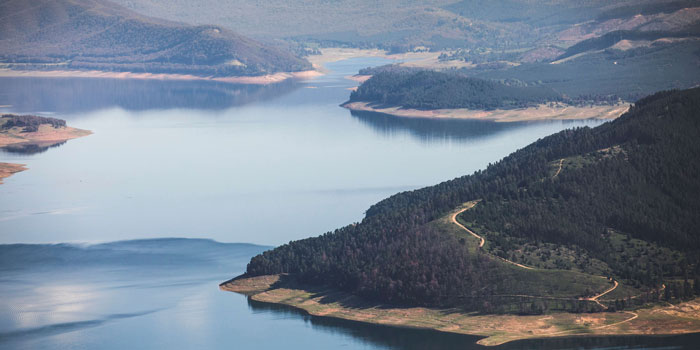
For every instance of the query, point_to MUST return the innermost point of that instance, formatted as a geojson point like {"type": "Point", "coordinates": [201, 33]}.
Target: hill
{"type": "Point", "coordinates": [181, 252]}
{"type": "Point", "coordinates": [614, 72]}
{"type": "Point", "coordinates": [486, 27]}
{"type": "Point", "coordinates": [438, 90]}
{"type": "Point", "coordinates": [619, 200]}
{"type": "Point", "coordinates": [99, 35]}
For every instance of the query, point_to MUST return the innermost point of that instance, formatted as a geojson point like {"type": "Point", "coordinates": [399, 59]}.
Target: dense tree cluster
{"type": "Point", "coordinates": [433, 90]}
{"type": "Point", "coordinates": [648, 189]}
{"type": "Point", "coordinates": [30, 123]}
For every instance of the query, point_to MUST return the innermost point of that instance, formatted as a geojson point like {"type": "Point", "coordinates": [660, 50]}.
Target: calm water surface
{"type": "Point", "coordinates": [157, 294]}
{"type": "Point", "coordinates": [234, 163]}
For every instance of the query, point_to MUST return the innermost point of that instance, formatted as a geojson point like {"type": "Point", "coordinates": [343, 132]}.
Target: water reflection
{"type": "Point", "coordinates": [74, 95]}
{"type": "Point", "coordinates": [377, 335]}
{"type": "Point", "coordinates": [29, 148]}
{"type": "Point", "coordinates": [431, 130]}
{"type": "Point", "coordinates": [417, 339]}
{"type": "Point", "coordinates": [155, 294]}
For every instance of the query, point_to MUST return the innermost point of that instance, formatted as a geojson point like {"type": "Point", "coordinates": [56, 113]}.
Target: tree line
{"type": "Point", "coordinates": [426, 89]}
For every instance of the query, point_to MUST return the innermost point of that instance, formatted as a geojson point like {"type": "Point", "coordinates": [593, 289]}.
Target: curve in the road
{"type": "Point", "coordinates": [561, 163]}
{"type": "Point", "coordinates": [482, 241]}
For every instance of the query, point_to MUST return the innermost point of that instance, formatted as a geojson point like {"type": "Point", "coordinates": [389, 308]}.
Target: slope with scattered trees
{"type": "Point", "coordinates": [99, 35]}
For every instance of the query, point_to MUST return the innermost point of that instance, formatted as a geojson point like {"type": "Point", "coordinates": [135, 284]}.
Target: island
{"type": "Point", "coordinates": [22, 132]}
{"type": "Point", "coordinates": [420, 93]}
{"type": "Point", "coordinates": [590, 231]}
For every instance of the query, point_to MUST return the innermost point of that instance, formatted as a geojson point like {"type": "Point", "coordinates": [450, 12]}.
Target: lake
{"type": "Point", "coordinates": [263, 165]}
{"type": "Point", "coordinates": [156, 294]}
{"type": "Point", "coordinates": [253, 164]}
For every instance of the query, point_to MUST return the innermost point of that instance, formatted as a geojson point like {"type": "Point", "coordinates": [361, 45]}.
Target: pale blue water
{"type": "Point", "coordinates": [234, 163]}
{"type": "Point", "coordinates": [164, 294]}
{"type": "Point", "coordinates": [237, 164]}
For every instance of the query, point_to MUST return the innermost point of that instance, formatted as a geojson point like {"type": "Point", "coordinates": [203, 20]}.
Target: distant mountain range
{"type": "Point", "coordinates": [143, 252]}
{"type": "Point", "coordinates": [99, 35]}
{"type": "Point", "coordinates": [504, 26]}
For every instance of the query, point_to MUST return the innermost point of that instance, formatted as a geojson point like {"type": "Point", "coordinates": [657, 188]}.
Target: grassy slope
{"type": "Point", "coordinates": [543, 283]}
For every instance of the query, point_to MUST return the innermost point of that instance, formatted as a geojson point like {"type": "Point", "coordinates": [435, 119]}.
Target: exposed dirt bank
{"type": "Point", "coordinates": [541, 112]}
{"type": "Point", "coordinates": [7, 169]}
{"type": "Point", "coordinates": [497, 329]}
{"type": "Point", "coordinates": [255, 80]}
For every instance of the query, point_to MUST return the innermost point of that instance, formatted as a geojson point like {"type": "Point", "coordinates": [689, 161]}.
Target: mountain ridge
{"type": "Point", "coordinates": [98, 35]}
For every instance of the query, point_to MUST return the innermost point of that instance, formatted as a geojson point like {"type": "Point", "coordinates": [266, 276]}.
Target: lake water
{"type": "Point", "coordinates": [262, 165]}
{"type": "Point", "coordinates": [158, 294]}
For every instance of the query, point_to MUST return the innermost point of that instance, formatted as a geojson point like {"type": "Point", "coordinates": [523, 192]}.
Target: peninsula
{"type": "Point", "coordinates": [22, 131]}
{"type": "Point", "coordinates": [433, 94]}
{"type": "Point", "coordinates": [589, 231]}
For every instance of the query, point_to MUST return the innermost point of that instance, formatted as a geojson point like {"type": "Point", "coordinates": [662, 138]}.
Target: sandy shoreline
{"type": "Point", "coordinates": [45, 136]}
{"type": "Point", "coordinates": [7, 169]}
{"type": "Point", "coordinates": [541, 112]}
{"type": "Point", "coordinates": [682, 318]}
{"type": "Point", "coordinates": [328, 55]}
{"type": "Point", "coordinates": [423, 59]}
{"type": "Point", "coordinates": [253, 80]}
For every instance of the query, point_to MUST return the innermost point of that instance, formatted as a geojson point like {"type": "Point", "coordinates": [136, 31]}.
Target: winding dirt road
{"type": "Point", "coordinates": [482, 241]}
{"type": "Point", "coordinates": [606, 292]}
{"type": "Point", "coordinates": [453, 218]}
{"type": "Point", "coordinates": [634, 315]}
{"type": "Point", "coordinates": [454, 221]}
{"type": "Point", "coordinates": [561, 163]}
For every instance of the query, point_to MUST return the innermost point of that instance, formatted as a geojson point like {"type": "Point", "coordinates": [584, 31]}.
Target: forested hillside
{"type": "Point", "coordinates": [621, 198]}
{"type": "Point", "coordinates": [433, 90]}
{"type": "Point", "coordinates": [99, 35]}
{"type": "Point", "coordinates": [612, 38]}
{"type": "Point", "coordinates": [614, 72]}
{"type": "Point", "coordinates": [406, 25]}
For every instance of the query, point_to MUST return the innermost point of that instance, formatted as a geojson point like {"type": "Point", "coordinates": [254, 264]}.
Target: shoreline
{"type": "Point", "coordinates": [420, 59]}
{"type": "Point", "coordinates": [539, 113]}
{"type": "Point", "coordinates": [8, 169]}
{"type": "Point", "coordinates": [249, 80]}
{"type": "Point", "coordinates": [45, 136]}
{"type": "Point", "coordinates": [683, 318]}
{"type": "Point", "coordinates": [328, 55]}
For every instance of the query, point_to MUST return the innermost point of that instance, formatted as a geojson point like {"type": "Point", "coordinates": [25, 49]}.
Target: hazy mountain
{"type": "Point", "coordinates": [99, 35]}
{"type": "Point", "coordinates": [401, 25]}
{"type": "Point", "coordinates": [142, 252]}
